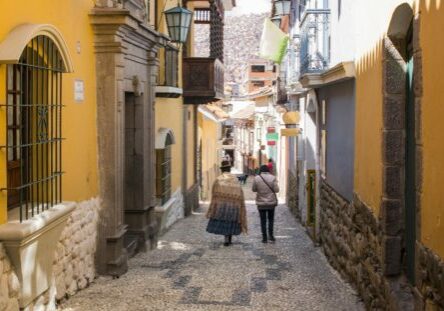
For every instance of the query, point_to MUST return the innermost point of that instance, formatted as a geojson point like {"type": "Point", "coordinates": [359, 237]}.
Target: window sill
{"type": "Point", "coordinates": [31, 246]}
{"type": "Point", "coordinates": [168, 91]}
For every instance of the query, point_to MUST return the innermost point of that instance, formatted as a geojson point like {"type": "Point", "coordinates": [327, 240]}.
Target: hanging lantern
{"type": "Point", "coordinates": [178, 21]}
{"type": "Point", "coordinates": [282, 7]}
{"type": "Point", "coordinates": [277, 21]}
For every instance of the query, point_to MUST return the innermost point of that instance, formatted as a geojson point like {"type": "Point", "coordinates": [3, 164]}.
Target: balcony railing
{"type": "Point", "coordinates": [315, 45]}
{"type": "Point", "coordinates": [168, 79]}
{"type": "Point", "coordinates": [203, 80]}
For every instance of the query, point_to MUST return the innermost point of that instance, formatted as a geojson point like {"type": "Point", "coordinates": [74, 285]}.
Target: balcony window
{"type": "Point", "coordinates": [315, 43]}
{"type": "Point", "coordinates": [169, 76]}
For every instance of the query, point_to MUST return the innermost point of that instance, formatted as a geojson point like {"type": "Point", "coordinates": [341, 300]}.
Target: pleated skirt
{"type": "Point", "coordinates": [223, 227]}
{"type": "Point", "coordinates": [225, 221]}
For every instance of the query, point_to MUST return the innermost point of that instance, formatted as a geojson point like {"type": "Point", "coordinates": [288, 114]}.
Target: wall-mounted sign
{"type": "Point", "coordinates": [272, 136]}
{"type": "Point", "coordinates": [79, 91]}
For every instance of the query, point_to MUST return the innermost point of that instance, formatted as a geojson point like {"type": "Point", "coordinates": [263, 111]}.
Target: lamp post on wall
{"type": "Point", "coordinates": [282, 7]}
{"type": "Point", "coordinates": [178, 20]}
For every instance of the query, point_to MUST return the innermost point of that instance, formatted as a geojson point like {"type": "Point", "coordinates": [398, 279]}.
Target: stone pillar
{"type": "Point", "coordinates": [150, 199]}
{"type": "Point", "coordinates": [111, 258]}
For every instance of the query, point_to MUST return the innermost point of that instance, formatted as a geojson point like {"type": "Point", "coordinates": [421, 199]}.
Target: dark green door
{"type": "Point", "coordinates": [410, 178]}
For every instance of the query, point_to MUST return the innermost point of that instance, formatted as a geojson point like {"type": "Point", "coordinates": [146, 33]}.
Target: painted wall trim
{"type": "Point", "coordinates": [11, 48]}
{"type": "Point", "coordinates": [341, 72]}
{"type": "Point", "coordinates": [161, 136]}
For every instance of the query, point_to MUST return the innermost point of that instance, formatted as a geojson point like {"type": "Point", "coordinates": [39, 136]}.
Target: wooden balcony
{"type": "Point", "coordinates": [203, 80]}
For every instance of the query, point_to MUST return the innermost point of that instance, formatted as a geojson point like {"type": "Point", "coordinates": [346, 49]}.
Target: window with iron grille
{"type": "Point", "coordinates": [163, 174]}
{"type": "Point", "coordinates": [34, 131]}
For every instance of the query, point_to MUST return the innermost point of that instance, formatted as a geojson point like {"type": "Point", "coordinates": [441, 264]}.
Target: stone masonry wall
{"type": "Point", "coordinates": [352, 241]}
{"type": "Point", "coordinates": [292, 194]}
{"type": "Point", "coordinates": [74, 267]}
{"type": "Point", "coordinates": [429, 279]}
{"type": "Point", "coordinates": [9, 284]}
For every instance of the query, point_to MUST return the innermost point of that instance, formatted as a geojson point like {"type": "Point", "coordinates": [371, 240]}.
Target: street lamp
{"type": "Point", "coordinates": [178, 21]}
{"type": "Point", "coordinates": [282, 7]}
{"type": "Point", "coordinates": [277, 20]}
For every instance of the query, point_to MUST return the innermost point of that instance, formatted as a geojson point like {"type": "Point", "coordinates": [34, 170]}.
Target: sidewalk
{"type": "Point", "coordinates": [192, 270]}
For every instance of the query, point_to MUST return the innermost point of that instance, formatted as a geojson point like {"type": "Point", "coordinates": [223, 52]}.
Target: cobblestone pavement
{"type": "Point", "coordinates": [192, 270]}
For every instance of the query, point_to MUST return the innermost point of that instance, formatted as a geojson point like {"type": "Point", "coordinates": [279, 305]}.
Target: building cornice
{"type": "Point", "coordinates": [341, 72]}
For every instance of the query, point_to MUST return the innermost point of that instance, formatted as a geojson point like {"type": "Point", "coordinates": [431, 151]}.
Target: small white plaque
{"type": "Point", "coordinates": [79, 91]}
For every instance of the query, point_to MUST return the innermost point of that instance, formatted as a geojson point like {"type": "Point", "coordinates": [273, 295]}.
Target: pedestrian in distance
{"type": "Point", "coordinates": [266, 186]}
{"type": "Point", "coordinates": [227, 214]}
{"type": "Point", "coordinates": [270, 166]}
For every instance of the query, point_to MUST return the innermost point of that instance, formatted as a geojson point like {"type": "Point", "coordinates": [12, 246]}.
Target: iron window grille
{"type": "Point", "coordinates": [163, 174]}
{"type": "Point", "coordinates": [34, 128]}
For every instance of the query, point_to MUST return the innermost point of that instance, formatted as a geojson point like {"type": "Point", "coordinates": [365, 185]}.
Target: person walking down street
{"type": "Point", "coordinates": [270, 166]}
{"type": "Point", "coordinates": [227, 214]}
{"type": "Point", "coordinates": [266, 186]}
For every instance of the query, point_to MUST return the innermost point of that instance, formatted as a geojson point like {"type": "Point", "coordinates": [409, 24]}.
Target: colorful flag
{"type": "Point", "coordinates": [274, 42]}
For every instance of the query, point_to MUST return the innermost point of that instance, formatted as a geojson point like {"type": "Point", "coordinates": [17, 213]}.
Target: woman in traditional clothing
{"type": "Point", "coordinates": [227, 212]}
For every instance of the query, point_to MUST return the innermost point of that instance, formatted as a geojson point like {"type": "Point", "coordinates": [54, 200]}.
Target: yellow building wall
{"type": "Point", "coordinates": [432, 201]}
{"type": "Point", "coordinates": [79, 119]}
{"type": "Point", "coordinates": [374, 18]}
{"type": "Point", "coordinates": [191, 147]}
{"type": "Point", "coordinates": [169, 115]}
{"type": "Point", "coordinates": [208, 134]}
{"type": "Point", "coordinates": [169, 112]}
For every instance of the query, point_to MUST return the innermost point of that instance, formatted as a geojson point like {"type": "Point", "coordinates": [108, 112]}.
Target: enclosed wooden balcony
{"type": "Point", "coordinates": [203, 80]}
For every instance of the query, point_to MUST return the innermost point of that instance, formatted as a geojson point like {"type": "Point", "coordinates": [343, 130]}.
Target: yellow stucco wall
{"type": "Point", "coordinates": [208, 133]}
{"type": "Point", "coordinates": [374, 18]}
{"type": "Point", "coordinates": [432, 202]}
{"type": "Point", "coordinates": [79, 119]}
{"type": "Point", "coordinates": [169, 115]}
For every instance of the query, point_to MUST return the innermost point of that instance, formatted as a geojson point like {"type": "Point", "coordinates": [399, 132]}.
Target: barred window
{"type": "Point", "coordinates": [163, 172]}
{"type": "Point", "coordinates": [34, 132]}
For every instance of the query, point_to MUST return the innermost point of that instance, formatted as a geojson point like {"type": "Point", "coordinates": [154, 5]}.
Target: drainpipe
{"type": "Point", "coordinates": [184, 157]}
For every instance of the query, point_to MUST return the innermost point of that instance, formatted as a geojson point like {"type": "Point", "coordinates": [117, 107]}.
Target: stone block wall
{"type": "Point", "coordinates": [9, 284]}
{"type": "Point", "coordinates": [352, 241]}
{"type": "Point", "coordinates": [429, 291]}
{"type": "Point", "coordinates": [292, 194]}
{"type": "Point", "coordinates": [74, 265]}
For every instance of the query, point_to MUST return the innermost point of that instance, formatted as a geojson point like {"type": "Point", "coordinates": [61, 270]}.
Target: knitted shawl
{"type": "Point", "coordinates": [227, 192]}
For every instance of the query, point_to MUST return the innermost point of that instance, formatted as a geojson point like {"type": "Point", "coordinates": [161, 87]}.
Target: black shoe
{"type": "Point", "coordinates": [272, 239]}
{"type": "Point", "coordinates": [229, 240]}
{"type": "Point", "coordinates": [226, 244]}
{"type": "Point", "coordinates": [264, 239]}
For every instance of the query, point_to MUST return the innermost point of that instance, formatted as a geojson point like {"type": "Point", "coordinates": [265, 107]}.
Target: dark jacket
{"type": "Point", "coordinates": [264, 195]}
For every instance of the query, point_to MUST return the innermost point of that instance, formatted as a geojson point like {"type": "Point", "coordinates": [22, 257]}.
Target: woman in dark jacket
{"type": "Point", "coordinates": [266, 186]}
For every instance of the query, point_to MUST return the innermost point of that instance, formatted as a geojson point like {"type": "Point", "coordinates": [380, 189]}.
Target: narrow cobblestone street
{"type": "Point", "coordinates": [192, 270]}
